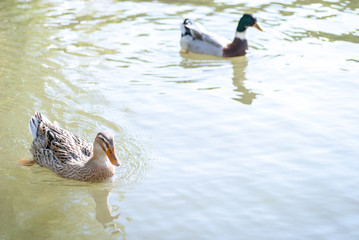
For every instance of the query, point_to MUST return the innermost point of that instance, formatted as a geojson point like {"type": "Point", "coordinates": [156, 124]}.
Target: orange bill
{"type": "Point", "coordinates": [257, 26]}
{"type": "Point", "coordinates": [112, 157]}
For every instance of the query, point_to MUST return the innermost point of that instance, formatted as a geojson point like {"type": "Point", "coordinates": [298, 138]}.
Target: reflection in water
{"type": "Point", "coordinates": [245, 96]}
{"type": "Point", "coordinates": [239, 65]}
{"type": "Point", "coordinates": [58, 209]}
{"type": "Point", "coordinates": [104, 211]}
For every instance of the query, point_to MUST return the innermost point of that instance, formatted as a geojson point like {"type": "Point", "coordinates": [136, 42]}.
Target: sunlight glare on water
{"type": "Point", "coordinates": [263, 146]}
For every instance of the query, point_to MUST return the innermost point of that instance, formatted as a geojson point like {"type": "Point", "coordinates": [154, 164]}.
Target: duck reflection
{"type": "Point", "coordinates": [244, 95]}
{"type": "Point", "coordinates": [104, 211]}
{"type": "Point", "coordinates": [239, 65]}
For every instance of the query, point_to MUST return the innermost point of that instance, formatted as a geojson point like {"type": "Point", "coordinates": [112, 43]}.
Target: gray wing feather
{"type": "Point", "coordinates": [199, 32]}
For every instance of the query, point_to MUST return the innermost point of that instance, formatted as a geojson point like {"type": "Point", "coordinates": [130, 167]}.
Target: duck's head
{"type": "Point", "coordinates": [246, 21]}
{"type": "Point", "coordinates": [104, 142]}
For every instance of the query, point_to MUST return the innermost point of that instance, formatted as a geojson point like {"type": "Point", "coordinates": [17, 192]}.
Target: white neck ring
{"type": "Point", "coordinates": [241, 35]}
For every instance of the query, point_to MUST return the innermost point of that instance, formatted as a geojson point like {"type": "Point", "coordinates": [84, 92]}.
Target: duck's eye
{"type": "Point", "coordinates": [107, 145]}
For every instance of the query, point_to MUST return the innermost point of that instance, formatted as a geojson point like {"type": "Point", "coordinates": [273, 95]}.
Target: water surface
{"type": "Point", "coordinates": [257, 147]}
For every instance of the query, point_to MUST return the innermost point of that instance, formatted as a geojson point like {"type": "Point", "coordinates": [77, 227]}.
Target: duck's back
{"type": "Point", "coordinates": [56, 148]}
{"type": "Point", "coordinates": [202, 47]}
{"type": "Point", "coordinates": [195, 38]}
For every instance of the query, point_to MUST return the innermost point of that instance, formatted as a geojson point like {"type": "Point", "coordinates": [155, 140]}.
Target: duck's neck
{"type": "Point", "coordinates": [98, 162]}
{"type": "Point", "coordinates": [241, 35]}
{"type": "Point", "coordinates": [98, 155]}
{"type": "Point", "coordinates": [98, 166]}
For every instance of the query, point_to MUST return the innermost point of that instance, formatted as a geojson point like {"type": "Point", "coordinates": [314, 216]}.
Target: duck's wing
{"type": "Point", "coordinates": [57, 144]}
{"type": "Point", "coordinates": [67, 146]}
{"type": "Point", "coordinates": [200, 33]}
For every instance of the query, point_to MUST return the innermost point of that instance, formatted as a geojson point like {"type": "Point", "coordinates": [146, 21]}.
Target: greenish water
{"type": "Point", "coordinates": [257, 147]}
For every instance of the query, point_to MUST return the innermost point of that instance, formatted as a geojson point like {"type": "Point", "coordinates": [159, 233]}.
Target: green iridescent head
{"type": "Point", "coordinates": [247, 21]}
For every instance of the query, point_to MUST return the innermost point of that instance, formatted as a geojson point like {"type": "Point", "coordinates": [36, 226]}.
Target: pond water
{"type": "Point", "coordinates": [263, 146]}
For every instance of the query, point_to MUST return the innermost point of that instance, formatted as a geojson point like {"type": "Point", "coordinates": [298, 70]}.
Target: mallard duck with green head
{"type": "Point", "coordinates": [195, 38]}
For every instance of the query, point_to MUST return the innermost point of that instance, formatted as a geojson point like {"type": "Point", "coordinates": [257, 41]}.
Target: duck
{"type": "Point", "coordinates": [71, 156]}
{"type": "Point", "coordinates": [195, 38]}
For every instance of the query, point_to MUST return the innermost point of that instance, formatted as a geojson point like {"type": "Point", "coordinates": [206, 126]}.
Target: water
{"type": "Point", "coordinates": [257, 147]}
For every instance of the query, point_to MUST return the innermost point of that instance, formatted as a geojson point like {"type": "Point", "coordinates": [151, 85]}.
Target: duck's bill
{"type": "Point", "coordinates": [112, 157]}
{"type": "Point", "coordinates": [258, 27]}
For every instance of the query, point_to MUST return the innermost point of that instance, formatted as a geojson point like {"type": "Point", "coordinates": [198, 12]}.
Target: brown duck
{"type": "Point", "coordinates": [69, 155]}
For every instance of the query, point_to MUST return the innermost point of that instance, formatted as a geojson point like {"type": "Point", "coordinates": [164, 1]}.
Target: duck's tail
{"type": "Point", "coordinates": [184, 29]}
{"type": "Point", "coordinates": [35, 122]}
